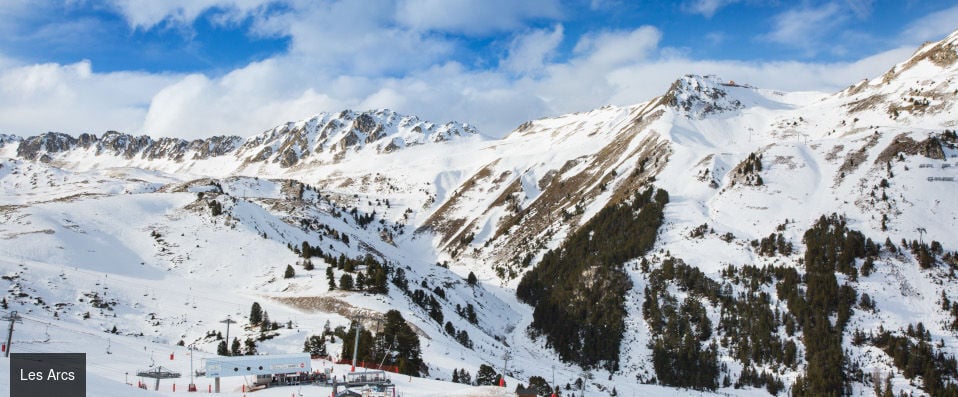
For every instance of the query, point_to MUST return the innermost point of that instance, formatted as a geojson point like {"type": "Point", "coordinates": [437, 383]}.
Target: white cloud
{"type": "Point", "coordinates": [608, 68]}
{"type": "Point", "coordinates": [473, 17]}
{"type": "Point", "coordinates": [334, 36]}
{"type": "Point", "coordinates": [806, 26]}
{"type": "Point", "coordinates": [243, 102]}
{"type": "Point", "coordinates": [22, 20]}
{"type": "Point", "coordinates": [861, 8]}
{"type": "Point", "coordinates": [197, 106]}
{"type": "Point", "coordinates": [528, 53]}
{"type": "Point", "coordinates": [11, 10]}
{"type": "Point", "coordinates": [353, 38]}
{"type": "Point", "coordinates": [934, 26]}
{"type": "Point", "coordinates": [633, 83]}
{"type": "Point", "coordinates": [73, 98]}
{"type": "Point", "coordinates": [352, 55]}
{"type": "Point", "coordinates": [147, 14]}
{"type": "Point", "coordinates": [603, 4]}
{"type": "Point", "coordinates": [707, 8]}
{"type": "Point", "coordinates": [611, 48]}
{"type": "Point", "coordinates": [715, 38]}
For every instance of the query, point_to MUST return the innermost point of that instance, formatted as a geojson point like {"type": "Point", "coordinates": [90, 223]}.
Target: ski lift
{"type": "Point", "coordinates": [391, 348]}
{"type": "Point", "coordinates": [109, 344]}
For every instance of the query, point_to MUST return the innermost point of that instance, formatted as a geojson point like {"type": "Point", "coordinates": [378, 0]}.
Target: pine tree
{"type": "Point", "coordinates": [471, 279]}
{"type": "Point", "coordinates": [215, 208]}
{"type": "Point", "coordinates": [307, 250]}
{"type": "Point", "coordinates": [221, 349]}
{"type": "Point", "coordinates": [331, 277]}
{"type": "Point", "coordinates": [265, 324]}
{"type": "Point", "coordinates": [465, 377]}
{"type": "Point", "coordinates": [408, 348]}
{"type": "Point", "coordinates": [235, 349]}
{"type": "Point", "coordinates": [290, 272]}
{"type": "Point", "coordinates": [360, 281]}
{"type": "Point", "coordinates": [346, 282]}
{"type": "Point", "coordinates": [486, 376]}
{"type": "Point", "coordinates": [315, 344]}
{"type": "Point", "coordinates": [255, 314]}
{"type": "Point", "coordinates": [888, 389]}
{"type": "Point", "coordinates": [540, 385]}
{"type": "Point", "coordinates": [366, 341]}
{"type": "Point", "coordinates": [463, 338]}
{"type": "Point", "coordinates": [471, 314]}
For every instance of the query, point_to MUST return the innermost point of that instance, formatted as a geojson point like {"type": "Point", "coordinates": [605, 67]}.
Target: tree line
{"type": "Point", "coordinates": [578, 290]}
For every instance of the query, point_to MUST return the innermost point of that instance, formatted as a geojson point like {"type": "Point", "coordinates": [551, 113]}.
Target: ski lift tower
{"type": "Point", "coordinates": [13, 317]}
{"type": "Point", "coordinates": [158, 373]}
{"type": "Point", "coordinates": [228, 321]}
{"type": "Point", "coordinates": [192, 385]}
{"type": "Point", "coordinates": [358, 320]}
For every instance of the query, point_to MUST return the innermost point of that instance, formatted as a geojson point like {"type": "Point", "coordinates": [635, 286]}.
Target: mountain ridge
{"type": "Point", "coordinates": [751, 177]}
{"type": "Point", "coordinates": [285, 144]}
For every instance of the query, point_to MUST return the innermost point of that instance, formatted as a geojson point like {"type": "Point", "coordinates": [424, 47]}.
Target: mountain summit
{"type": "Point", "coordinates": [700, 96]}
{"type": "Point", "coordinates": [329, 137]}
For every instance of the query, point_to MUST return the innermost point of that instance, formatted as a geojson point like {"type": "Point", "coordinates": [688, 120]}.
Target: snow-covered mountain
{"type": "Point", "coordinates": [162, 238]}
{"type": "Point", "coordinates": [324, 138]}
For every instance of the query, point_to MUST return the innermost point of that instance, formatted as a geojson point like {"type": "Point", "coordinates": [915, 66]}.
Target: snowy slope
{"type": "Point", "coordinates": [117, 230]}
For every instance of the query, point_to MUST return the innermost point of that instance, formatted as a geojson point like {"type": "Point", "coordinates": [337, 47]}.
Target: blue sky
{"type": "Point", "coordinates": [195, 68]}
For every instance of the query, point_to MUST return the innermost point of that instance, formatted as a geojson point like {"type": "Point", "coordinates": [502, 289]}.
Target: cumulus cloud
{"type": "Point", "coordinates": [350, 55]}
{"type": "Point", "coordinates": [474, 17]}
{"type": "Point", "coordinates": [197, 106]}
{"type": "Point", "coordinates": [352, 37]}
{"type": "Point", "coordinates": [805, 27]}
{"type": "Point", "coordinates": [16, 9]}
{"type": "Point", "coordinates": [529, 53]}
{"type": "Point", "coordinates": [147, 14]}
{"type": "Point", "coordinates": [707, 8]}
{"type": "Point", "coordinates": [73, 98]}
{"type": "Point", "coordinates": [932, 26]}
{"type": "Point", "coordinates": [608, 49]}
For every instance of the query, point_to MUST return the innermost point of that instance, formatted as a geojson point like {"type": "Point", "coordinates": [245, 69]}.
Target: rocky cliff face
{"type": "Point", "coordinates": [699, 96]}
{"type": "Point", "coordinates": [330, 137]}
{"type": "Point", "coordinates": [48, 146]}
{"type": "Point", "coordinates": [324, 138]}
{"type": "Point", "coordinates": [42, 146]}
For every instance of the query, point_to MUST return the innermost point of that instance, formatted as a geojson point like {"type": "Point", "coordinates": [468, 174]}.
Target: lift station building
{"type": "Point", "coordinates": [266, 366]}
